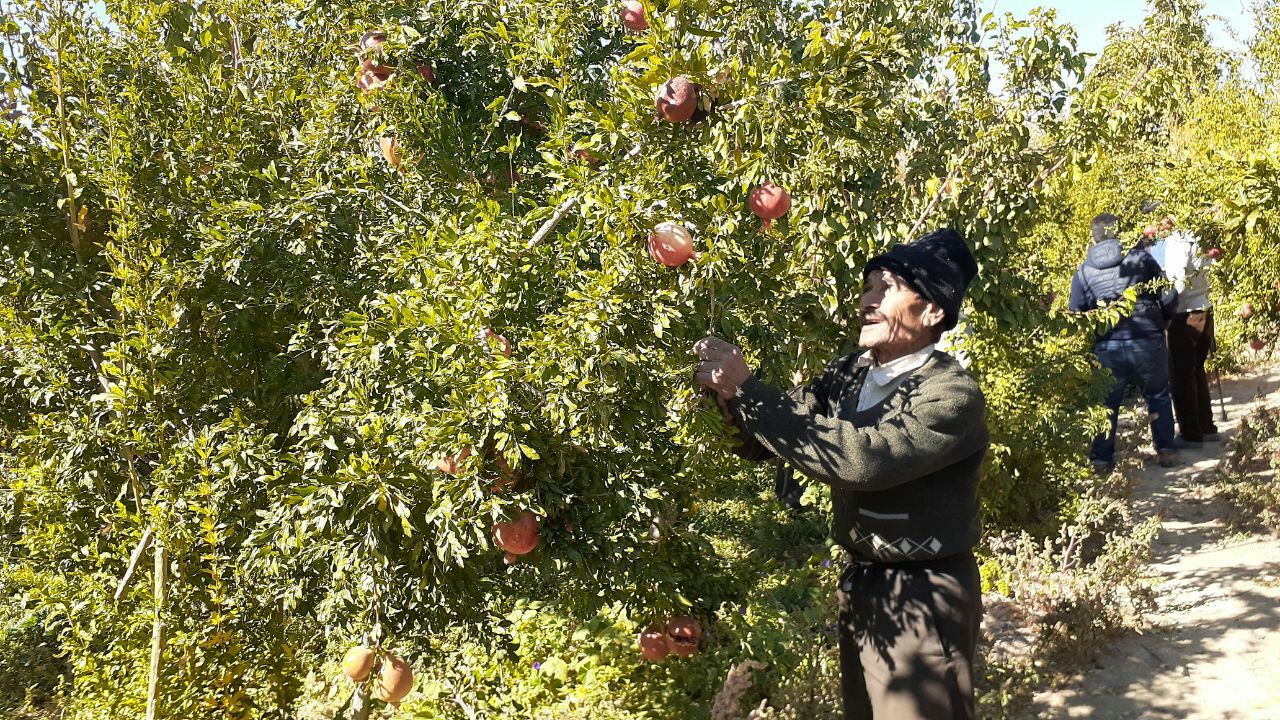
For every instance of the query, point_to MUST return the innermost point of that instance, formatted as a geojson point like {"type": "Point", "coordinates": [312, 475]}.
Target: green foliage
{"type": "Point", "coordinates": [226, 319]}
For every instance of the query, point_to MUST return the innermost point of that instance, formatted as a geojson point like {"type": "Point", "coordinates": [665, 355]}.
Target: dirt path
{"type": "Point", "coordinates": [1214, 648]}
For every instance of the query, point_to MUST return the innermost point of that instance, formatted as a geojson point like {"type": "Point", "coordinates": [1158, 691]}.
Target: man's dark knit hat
{"type": "Point", "coordinates": [938, 266]}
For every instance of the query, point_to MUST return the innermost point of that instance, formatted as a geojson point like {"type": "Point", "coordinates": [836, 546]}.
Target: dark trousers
{"type": "Point", "coordinates": [1190, 340]}
{"type": "Point", "coordinates": [1144, 363]}
{"type": "Point", "coordinates": [908, 637]}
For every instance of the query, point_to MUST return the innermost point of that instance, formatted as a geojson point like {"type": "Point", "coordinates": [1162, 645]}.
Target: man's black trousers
{"type": "Point", "coordinates": [908, 634]}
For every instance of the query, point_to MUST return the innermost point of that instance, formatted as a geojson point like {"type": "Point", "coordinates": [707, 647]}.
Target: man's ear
{"type": "Point", "coordinates": [934, 315]}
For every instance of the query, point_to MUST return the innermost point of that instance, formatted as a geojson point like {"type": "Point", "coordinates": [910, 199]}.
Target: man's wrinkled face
{"type": "Point", "coordinates": [895, 320]}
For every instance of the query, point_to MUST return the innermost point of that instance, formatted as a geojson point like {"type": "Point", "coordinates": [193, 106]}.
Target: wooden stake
{"type": "Point", "coordinates": [161, 594]}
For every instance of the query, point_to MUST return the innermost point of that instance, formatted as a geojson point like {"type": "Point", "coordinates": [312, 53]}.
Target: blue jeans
{"type": "Point", "coordinates": [1144, 363]}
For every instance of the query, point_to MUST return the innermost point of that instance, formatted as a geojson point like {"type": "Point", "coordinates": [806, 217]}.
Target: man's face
{"type": "Point", "coordinates": [895, 320]}
{"type": "Point", "coordinates": [1166, 224]}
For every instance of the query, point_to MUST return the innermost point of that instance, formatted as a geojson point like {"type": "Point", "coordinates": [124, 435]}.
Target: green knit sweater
{"type": "Point", "coordinates": [903, 473]}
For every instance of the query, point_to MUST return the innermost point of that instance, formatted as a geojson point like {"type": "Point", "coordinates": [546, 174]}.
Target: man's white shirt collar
{"type": "Point", "coordinates": [884, 374]}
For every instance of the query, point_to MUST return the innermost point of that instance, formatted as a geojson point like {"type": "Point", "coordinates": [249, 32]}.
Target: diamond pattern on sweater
{"type": "Point", "coordinates": [903, 548]}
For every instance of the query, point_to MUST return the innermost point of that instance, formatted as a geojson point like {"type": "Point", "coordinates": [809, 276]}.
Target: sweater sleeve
{"type": "Point", "coordinates": [810, 398]}
{"type": "Point", "coordinates": [944, 423]}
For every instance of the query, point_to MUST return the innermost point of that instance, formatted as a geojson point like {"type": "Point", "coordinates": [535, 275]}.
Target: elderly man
{"type": "Point", "coordinates": [898, 431]}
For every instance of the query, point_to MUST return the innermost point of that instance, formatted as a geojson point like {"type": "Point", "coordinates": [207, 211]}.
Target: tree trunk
{"type": "Point", "coordinates": [158, 630]}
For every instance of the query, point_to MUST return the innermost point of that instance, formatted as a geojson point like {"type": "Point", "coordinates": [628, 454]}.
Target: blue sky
{"type": "Point", "coordinates": [1092, 17]}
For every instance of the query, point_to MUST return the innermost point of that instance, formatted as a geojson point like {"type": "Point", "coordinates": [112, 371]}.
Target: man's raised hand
{"type": "Point", "coordinates": [721, 368]}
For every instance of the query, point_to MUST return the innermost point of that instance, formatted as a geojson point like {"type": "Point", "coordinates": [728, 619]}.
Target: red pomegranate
{"type": "Point", "coordinates": [452, 464]}
{"type": "Point", "coordinates": [395, 680]}
{"type": "Point", "coordinates": [372, 40]}
{"type": "Point", "coordinates": [391, 151]}
{"type": "Point", "coordinates": [1214, 253]}
{"type": "Point", "coordinates": [671, 244]}
{"type": "Point", "coordinates": [503, 178]}
{"type": "Point", "coordinates": [519, 536]}
{"type": "Point", "coordinates": [769, 202]}
{"type": "Point", "coordinates": [506, 480]}
{"type": "Point", "coordinates": [1245, 312]}
{"type": "Point", "coordinates": [683, 634]}
{"type": "Point", "coordinates": [632, 15]}
{"type": "Point", "coordinates": [654, 645]}
{"type": "Point", "coordinates": [428, 73]}
{"type": "Point", "coordinates": [1150, 232]}
{"type": "Point", "coordinates": [358, 663]}
{"type": "Point", "coordinates": [373, 76]}
{"type": "Point", "coordinates": [677, 99]}
{"type": "Point", "coordinates": [504, 345]}
{"type": "Point", "coordinates": [1258, 345]}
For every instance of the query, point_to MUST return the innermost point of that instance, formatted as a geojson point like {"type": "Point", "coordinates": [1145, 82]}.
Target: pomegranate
{"type": "Point", "coordinates": [391, 151]}
{"type": "Point", "coordinates": [452, 464]}
{"type": "Point", "coordinates": [683, 633]}
{"type": "Point", "coordinates": [677, 99]}
{"type": "Point", "coordinates": [769, 202]}
{"type": "Point", "coordinates": [1150, 232]}
{"type": "Point", "coordinates": [358, 663]}
{"type": "Point", "coordinates": [1245, 312]}
{"type": "Point", "coordinates": [1214, 253]}
{"type": "Point", "coordinates": [503, 344]}
{"type": "Point", "coordinates": [506, 480]}
{"type": "Point", "coordinates": [671, 244]}
{"type": "Point", "coordinates": [519, 536]}
{"type": "Point", "coordinates": [632, 16]}
{"type": "Point", "coordinates": [503, 178]}
{"type": "Point", "coordinates": [395, 680]}
{"type": "Point", "coordinates": [373, 76]}
{"type": "Point", "coordinates": [654, 645]}
{"type": "Point", "coordinates": [372, 40]}
{"type": "Point", "coordinates": [582, 156]}
{"type": "Point", "coordinates": [1258, 345]}
{"type": "Point", "coordinates": [428, 73]}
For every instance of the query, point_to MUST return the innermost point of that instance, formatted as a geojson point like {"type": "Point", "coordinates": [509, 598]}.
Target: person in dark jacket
{"type": "Point", "coordinates": [1134, 350]}
{"type": "Point", "coordinates": [898, 430]}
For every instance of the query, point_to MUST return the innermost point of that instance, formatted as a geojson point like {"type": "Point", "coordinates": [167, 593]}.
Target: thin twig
{"type": "Point", "coordinates": [551, 223]}
{"type": "Point", "coordinates": [134, 559]}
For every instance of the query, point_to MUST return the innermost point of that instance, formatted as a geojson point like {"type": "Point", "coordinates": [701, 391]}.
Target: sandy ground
{"type": "Point", "coordinates": [1214, 648]}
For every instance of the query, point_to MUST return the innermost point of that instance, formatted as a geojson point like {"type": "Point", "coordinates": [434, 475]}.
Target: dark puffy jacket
{"type": "Point", "coordinates": [1106, 273]}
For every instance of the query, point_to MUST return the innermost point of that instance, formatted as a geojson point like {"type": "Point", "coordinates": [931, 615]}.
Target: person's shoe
{"type": "Point", "coordinates": [1185, 443]}
{"type": "Point", "coordinates": [1168, 458]}
{"type": "Point", "coordinates": [1103, 469]}
{"type": "Point", "coordinates": [1214, 436]}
